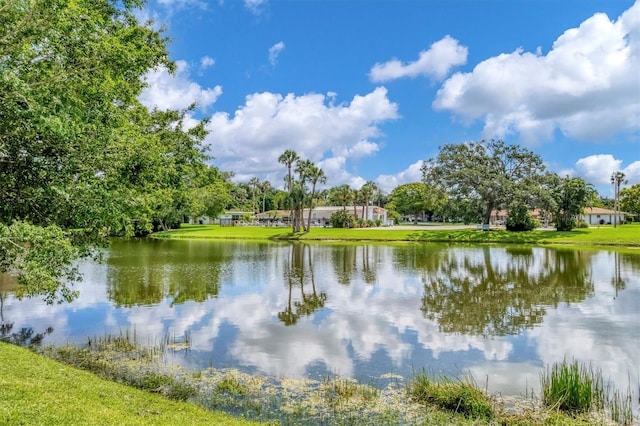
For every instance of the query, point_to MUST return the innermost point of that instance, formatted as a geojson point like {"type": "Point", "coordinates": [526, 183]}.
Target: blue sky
{"type": "Point", "coordinates": [369, 89]}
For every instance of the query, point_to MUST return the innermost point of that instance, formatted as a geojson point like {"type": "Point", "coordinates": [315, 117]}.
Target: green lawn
{"type": "Point", "coordinates": [625, 235]}
{"type": "Point", "coordinates": [35, 390]}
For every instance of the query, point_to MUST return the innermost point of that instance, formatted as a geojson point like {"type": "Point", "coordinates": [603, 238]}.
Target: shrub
{"type": "Point", "coordinates": [342, 219]}
{"type": "Point", "coordinates": [520, 219]}
{"type": "Point", "coordinates": [582, 224]}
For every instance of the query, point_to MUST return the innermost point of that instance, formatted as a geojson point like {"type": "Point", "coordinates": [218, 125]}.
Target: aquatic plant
{"type": "Point", "coordinates": [572, 387]}
{"type": "Point", "coordinates": [460, 396]}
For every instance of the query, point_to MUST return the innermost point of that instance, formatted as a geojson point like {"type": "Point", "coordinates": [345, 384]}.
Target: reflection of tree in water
{"type": "Point", "coordinates": [351, 260]}
{"type": "Point", "coordinates": [145, 273]}
{"type": "Point", "coordinates": [474, 295]}
{"type": "Point", "coordinates": [26, 336]}
{"type": "Point", "coordinates": [299, 271]}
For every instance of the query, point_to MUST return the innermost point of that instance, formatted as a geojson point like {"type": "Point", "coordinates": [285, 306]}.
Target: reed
{"type": "Point", "coordinates": [460, 396]}
{"type": "Point", "coordinates": [572, 387]}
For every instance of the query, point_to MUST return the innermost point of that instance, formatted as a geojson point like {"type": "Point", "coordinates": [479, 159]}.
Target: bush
{"type": "Point", "coordinates": [520, 219]}
{"type": "Point", "coordinates": [342, 219]}
{"type": "Point", "coordinates": [582, 224]}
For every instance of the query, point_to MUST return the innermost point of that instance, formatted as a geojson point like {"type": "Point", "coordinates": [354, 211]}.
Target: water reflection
{"type": "Point", "coordinates": [298, 271]}
{"type": "Point", "coordinates": [300, 310]}
{"type": "Point", "coordinates": [147, 272]}
{"type": "Point", "coordinates": [497, 292]}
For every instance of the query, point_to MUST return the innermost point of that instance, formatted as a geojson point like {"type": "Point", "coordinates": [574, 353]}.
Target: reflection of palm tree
{"type": "Point", "coordinates": [617, 281]}
{"type": "Point", "coordinates": [368, 273]}
{"type": "Point", "coordinates": [296, 274]}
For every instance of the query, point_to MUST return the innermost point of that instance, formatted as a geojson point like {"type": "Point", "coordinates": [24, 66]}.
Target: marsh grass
{"type": "Point", "coordinates": [231, 384]}
{"type": "Point", "coordinates": [332, 401]}
{"type": "Point", "coordinates": [460, 396]}
{"type": "Point", "coordinates": [621, 407]}
{"type": "Point", "coordinates": [572, 387]}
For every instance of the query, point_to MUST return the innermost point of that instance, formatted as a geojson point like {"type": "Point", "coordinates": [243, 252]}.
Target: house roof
{"type": "Point", "coordinates": [600, 210]}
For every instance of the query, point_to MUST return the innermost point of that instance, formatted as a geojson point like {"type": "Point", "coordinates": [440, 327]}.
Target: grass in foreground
{"type": "Point", "coordinates": [332, 401]}
{"type": "Point", "coordinates": [624, 235]}
{"type": "Point", "coordinates": [37, 390]}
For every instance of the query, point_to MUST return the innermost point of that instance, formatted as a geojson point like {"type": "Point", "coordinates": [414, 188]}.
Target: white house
{"type": "Point", "coordinates": [320, 215]}
{"type": "Point", "coordinates": [600, 216]}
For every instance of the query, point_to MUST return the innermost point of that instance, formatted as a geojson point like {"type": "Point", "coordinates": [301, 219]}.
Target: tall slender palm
{"type": "Point", "coordinates": [254, 183]}
{"type": "Point", "coordinates": [355, 197]}
{"type": "Point", "coordinates": [366, 192]}
{"type": "Point", "coordinates": [288, 158]}
{"type": "Point", "coordinates": [617, 179]}
{"type": "Point", "coordinates": [265, 187]}
{"type": "Point", "coordinates": [316, 176]}
{"type": "Point", "coordinates": [303, 168]}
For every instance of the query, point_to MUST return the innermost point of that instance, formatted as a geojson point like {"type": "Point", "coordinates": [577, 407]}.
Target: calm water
{"type": "Point", "coordinates": [296, 310]}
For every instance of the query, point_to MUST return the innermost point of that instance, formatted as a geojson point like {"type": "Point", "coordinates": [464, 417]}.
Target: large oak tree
{"type": "Point", "coordinates": [492, 173]}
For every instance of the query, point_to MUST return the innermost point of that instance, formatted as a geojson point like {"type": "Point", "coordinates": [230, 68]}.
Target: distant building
{"type": "Point", "coordinates": [600, 216]}
{"type": "Point", "coordinates": [591, 215]}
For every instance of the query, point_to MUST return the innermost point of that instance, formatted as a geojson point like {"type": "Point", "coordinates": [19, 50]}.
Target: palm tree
{"type": "Point", "coordinates": [265, 187]}
{"type": "Point", "coordinates": [316, 175]}
{"type": "Point", "coordinates": [303, 168]}
{"type": "Point", "coordinates": [366, 192]}
{"type": "Point", "coordinates": [344, 194]}
{"type": "Point", "coordinates": [288, 158]}
{"type": "Point", "coordinates": [254, 182]}
{"type": "Point", "coordinates": [617, 179]}
{"type": "Point", "coordinates": [355, 197]}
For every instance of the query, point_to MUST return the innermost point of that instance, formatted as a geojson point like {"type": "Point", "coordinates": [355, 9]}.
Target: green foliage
{"type": "Point", "coordinates": [232, 385]}
{"type": "Point", "coordinates": [630, 200]}
{"type": "Point", "coordinates": [572, 387]}
{"type": "Point", "coordinates": [342, 219]}
{"type": "Point", "coordinates": [490, 173]}
{"type": "Point", "coordinates": [461, 397]}
{"type": "Point", "coordinates": [417, 198]}
{"type": "Point", "coordinates": [44, 257]}
{"type": "Point", "coordinates": [80, 157]}
{"type": "Point", "coordinates": [521, 219]}
{"type": "Point", "coordinates": [582, 224]}
{"type": "Point", "coordinates": [570, 196]}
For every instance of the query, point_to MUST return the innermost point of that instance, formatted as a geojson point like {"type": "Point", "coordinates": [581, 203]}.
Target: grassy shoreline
{"type": "Point", "coordinates": [606, 236]}
{"type": "Point", "coordinates": [38, 390]}
{"type": "Point", "coordinates": [35, 389]}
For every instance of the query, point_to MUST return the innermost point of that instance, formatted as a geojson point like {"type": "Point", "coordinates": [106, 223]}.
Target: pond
{"type": "Point", "coordinates": [295, 310]}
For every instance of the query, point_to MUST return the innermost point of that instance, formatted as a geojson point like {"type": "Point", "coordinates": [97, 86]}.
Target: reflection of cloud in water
{"type": "Point", "coordinates": [603, 330]}
{"type": "Point", "coordinates": [361, 318]}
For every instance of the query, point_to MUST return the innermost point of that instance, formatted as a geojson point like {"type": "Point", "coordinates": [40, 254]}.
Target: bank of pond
{"type": "Point", "coordinates": [357, 332]}
{"type": "Point", "coordinates": [38, 390]}
{"type": "Point", "coordinates": [627, 235]}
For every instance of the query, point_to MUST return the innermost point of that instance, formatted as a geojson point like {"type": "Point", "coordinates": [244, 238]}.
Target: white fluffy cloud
{"type": "Point", "coordinates": [586, 86]}
{"type": "Point", "coordinates": [167, 91]}
{"type": "Point", "coordinates": [252, 139]}
{"type": "Point", "coordinates": [274, 52]}
{"type": "Point", "coordinates": [597, 169]}
{"type": "Point", "coordinates": [409, 175]}
{"type": "Point", "coordinates": [436, 62]}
